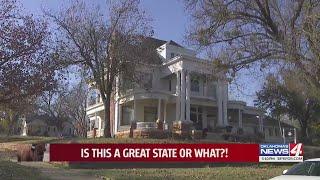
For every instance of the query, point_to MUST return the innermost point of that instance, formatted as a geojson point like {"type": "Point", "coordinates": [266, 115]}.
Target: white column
{"type": "Point", "coordinates": [165, 111]}
{"type": "Point", "coordinates": [95, 119]}
{"type": "Point", "coordinates": [205, 86]}
{"type": "Point", "coordinates": [204, 118]}
{"type": "Point", "coordinates": [219, 104]}
{"type": "Point", "coordinates": [260, 123]}
{"type": "Point", "coordinates": [134, 110]}
{"type": "Point", "coordinates": [178, 96]}
{"type": "Point", "coordinates": [120, 117]}
{"type": "Point", "coordinates": [159, 110]}
{"type": "Point", "coordinates": [240, 118]}
{"type": "Point", "coordinates": [183, 96]}
{"type": "Point", "coordinates": [188, 96]}
{"type": "Point", "coordinates": [116, 116]}
{"type": "Point", "coordinates": [225, 103]}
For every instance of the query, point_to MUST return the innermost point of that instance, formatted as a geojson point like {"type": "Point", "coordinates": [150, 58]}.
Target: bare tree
{"type": "Point", "coordinates": [75, 107]}
{"type": "Point", "coordinates": [263, 32]}
{"type": "Point", "coordinates": [26, 67]}
{"type": "Point", "coordinates": [107, 45]}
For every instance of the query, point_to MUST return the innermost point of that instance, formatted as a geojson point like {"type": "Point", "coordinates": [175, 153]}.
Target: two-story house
{"type": "Point", "coordinates": [181, 88]}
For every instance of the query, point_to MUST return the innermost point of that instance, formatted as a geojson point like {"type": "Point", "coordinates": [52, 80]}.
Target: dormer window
{"type": "Point", "coordinates": [172, 55]}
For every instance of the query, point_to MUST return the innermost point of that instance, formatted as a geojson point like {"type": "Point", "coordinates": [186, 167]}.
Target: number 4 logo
{"type": "Point", "coordinates": [296, 149]}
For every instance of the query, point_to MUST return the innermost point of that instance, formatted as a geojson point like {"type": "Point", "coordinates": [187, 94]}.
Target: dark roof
{"type": "Point", "coordinates": [154, 42]}
{"type": "Point", "coordinates": [158, 42]}
{"type": "Point", "coordinates": [173, 43]}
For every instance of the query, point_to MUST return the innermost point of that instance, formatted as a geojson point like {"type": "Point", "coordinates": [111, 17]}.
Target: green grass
{"type": "Point", "coordinates": [242, 172]}
{"type": "Point", "coordinates": [11, 170]}
{"type": "Point", "coordinates": [25, 139]}
{"type": "Point", "coordinates": [122, 140]}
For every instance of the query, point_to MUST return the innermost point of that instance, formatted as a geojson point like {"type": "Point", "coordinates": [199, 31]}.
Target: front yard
{"type": "Point", "coordinates": [13, 170]}
{"type": "Point", "coordinates": [228, 172]}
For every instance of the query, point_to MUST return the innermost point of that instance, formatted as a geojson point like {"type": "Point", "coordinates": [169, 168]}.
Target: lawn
{"type": "Point", "coordinates": [24, 139]}
{"type": "Point", "coordinates": [120, 140]}
{"type": "Point", "coordinates": [228, 172]}
{"type": "Point", "coordinates": [11, 170]}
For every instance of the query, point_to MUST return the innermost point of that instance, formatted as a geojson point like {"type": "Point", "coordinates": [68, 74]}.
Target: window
{"type": "Point", "coordinates": [94, 98]}
{"type": "Point", "coordinates": [170, 85]}
{"type": "Point", "coordinates": [172, 55]}
{"type": "Point", "coordinates": [150, 114]}
{"type": "Point", "coordinates": [127, 115]}
{"type": "Point", "coordinates": [195, 84]}
{"type": "Point", "coordinates": [145, 80]}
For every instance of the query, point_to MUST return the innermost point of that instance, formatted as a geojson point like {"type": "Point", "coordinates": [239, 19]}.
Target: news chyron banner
{"type": "Point", "coordinates": [176, 152]}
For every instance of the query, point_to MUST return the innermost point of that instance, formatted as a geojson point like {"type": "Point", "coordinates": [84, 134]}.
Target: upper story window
{"type": "Point", "coordinates": [172, 55]}
{"type": "Point", "coordinates": [94, 98]}
{"type": "Point", "coordinates": [195, 84]}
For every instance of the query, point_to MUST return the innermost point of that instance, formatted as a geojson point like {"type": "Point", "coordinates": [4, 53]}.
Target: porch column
{"type": "Point", "coordinates": [219, 104]}
{"type": "Point", "coordinates": [116, 116]}
{"type": "Point", "coordinates": [159, 110]}
{"type": "Point", "coordinates": [178, 96]}
{"type": "Point", "coordinates": [95, 119]}
{"type": "Point", "coordinates": [183, 96]}
{"type": "Point", "coordinates": [165, 111]}
{"type": "Point", "coordinates": [120, 117]}
{"type": "Point", "coordinates": [260, 123]}
{"type": "Point", "coordinates": [224, 93]}
{"type": "Point", "coordinates": [204, 118]}
{"type": "Point", "coordinates": [205, 86]}
{"type": "Point", "coordinates": [188, 96]}
{"type": "Point", "coordinates": [134, 110]}
{"type": "Point", "coordinates": [240, 118]}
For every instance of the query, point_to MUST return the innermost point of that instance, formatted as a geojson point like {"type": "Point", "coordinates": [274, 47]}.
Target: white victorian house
{"type": "Point", "coordinates": [184, 88]}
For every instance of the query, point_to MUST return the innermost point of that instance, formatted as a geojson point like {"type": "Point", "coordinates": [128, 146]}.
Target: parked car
{"type": "Point", "coordinates": [309, 169]}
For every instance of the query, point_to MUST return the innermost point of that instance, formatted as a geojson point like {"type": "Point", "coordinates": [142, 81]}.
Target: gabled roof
{"type": "Point", "coordinates": [154, 42]}
{"type": "Point", "coordinates": [173, 43]}
{"type": "Point", "coordinates": [158, 42]}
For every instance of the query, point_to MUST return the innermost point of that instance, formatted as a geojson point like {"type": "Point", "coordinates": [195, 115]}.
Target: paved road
{"type": "Point", "coordinates": [48, 170]}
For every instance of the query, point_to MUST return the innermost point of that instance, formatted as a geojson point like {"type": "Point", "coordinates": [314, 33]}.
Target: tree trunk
{"type": "Point", "coordinates": [304, 135]}
{"type": "Point", "coordinates": [107, 130]}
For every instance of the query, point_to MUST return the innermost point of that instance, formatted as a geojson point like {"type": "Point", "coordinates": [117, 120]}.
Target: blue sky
{"type": "Point", "coordinates": [169, 22]}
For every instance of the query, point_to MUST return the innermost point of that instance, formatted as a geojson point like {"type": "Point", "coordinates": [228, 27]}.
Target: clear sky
{"type": "Point", "coordinates": [170, 22]}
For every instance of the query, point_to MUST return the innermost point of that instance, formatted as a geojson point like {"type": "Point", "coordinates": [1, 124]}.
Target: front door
{"type": "Point", "coordinates": [196, 116]}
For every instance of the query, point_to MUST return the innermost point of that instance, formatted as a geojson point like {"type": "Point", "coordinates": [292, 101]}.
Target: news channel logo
{"type": "Point", "coordinates": [281, 153]}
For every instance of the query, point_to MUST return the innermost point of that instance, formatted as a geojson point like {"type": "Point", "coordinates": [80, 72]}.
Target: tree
{"type": "Point", "coordinates": [106, 45]}
{"type": "Point", "coordinates": [288, 97]}
{"type": "Point", "coordinates": [26, 69]}
{"type": "Point", "coordinates": [75, 107]}
{"type": "Point", "coordinates": [267, 33]}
